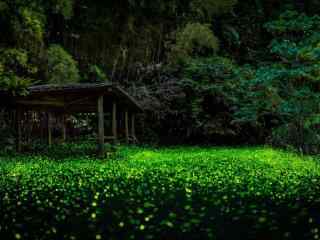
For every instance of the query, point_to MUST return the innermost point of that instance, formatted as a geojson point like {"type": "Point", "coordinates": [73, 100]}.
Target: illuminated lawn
{"type": "Point", "coordinates": [178, 193]}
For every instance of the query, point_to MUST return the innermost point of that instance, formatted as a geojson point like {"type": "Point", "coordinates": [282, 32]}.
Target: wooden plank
{"type": "Point", "coordinates": [64, 128]}
{"type": "Point", "coordinates": [129, 101]}
{"type": "Point", "coordinates": [100, 126]}
{"type": "Point", "coordinates": [133, 127]}
{"type": "Point", "coordinates": [78, 101]}
{"type": "Point", "coordinates": [19, 130]}
{"type": "Point", "coordinates": [49, 129]}
{"type": "Point", "coordinates": [114, 121]}
{"type": "Point", "coordinates": [40, 103]}
{"type": "Point", "coordinates": [126, 120]}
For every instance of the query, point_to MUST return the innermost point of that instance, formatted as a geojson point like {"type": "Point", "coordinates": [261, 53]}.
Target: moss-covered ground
{"type": "Point", "coordinates": [166, 193]}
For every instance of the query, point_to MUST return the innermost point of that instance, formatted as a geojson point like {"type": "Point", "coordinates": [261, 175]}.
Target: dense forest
{"type": "Point", "coordinates": [163, 119]}
{"type": "Point", "coordinates": [205, 71]}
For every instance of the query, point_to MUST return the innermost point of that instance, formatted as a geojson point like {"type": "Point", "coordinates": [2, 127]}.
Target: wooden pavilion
{"type": "Point", "coordinates": [69, 99]}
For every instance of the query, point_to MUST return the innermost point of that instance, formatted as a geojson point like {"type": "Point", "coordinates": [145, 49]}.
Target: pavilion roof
{"type": "Point", "coordinates": [80, 97]}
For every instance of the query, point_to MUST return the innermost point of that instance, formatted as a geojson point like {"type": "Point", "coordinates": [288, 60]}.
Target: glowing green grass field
{"type": "Point", "coordinates": [178, 193]}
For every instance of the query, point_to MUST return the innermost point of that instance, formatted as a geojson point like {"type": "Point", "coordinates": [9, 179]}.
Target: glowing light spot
{"type": "Point", "coordinates": [17, 236]}
{"type": "Point", "coordinates": [142, 227]}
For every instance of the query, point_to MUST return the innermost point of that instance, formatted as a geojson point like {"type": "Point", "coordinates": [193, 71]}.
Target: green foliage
{"type": "Point", "coordinates": [284, 94]}
{"type": "Point", "coordinates": [161, 194]}
{"type": "Point", "coordinates": [14, 58]}
{"type": "Point", "coordinates": [31, 24]}
{"type": "Point", "coordinates": [194, 40]}
{"type": "Point", "coordinates": [291, 22]}
{"type": "Point", "coordinates": [28, 29]}
{"type": "Point", "coordinates": [63, 7]}
{"type": "Point", "coordinates": [62, 68]}
{"type": "Point", "coordinates": [96, 74]}
{"type": "Point", "coordinates": [257, 92]}
{"type": "Point", "coordinates": [214, 76]}
{"type": "Point", "coordinates": [3, 6]}
{"type": "Point", "coordinates": [15, 84]}
{"type": "Point", "coordinates": [22, 55]}
{"type": "Point", "coordinates": [209, 8]}
{"type": "Point", "coordinates": [210, 84]}
{"type": "Point", "coordinates": [16, 71]}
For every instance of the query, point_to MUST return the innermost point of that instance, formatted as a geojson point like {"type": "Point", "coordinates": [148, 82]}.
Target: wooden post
{"type": "Point", "coordinates": [126, 120]}
{"type": "Point", "coordinates": [49, 128]}
{"type": "Point", "coordinates": [114, 121]}
{"type": "Point", "coordinates": [133, 128]}
{"type": "Point", "coordinates": [19, 130]}
{"type": "Point", "coordinates": [100, 126]}
{"type": "Point", "coordinates": [64, 128]}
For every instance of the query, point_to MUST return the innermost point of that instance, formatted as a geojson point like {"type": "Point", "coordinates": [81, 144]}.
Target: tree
{"type": "Point", "coordinates": [194, 40]}
{"type": "Point", "coordinates": [284, 94]}
{"type": "Point", "coordinates": [62, 68]}
{"type": "Point", "coordinates": [16, 71]}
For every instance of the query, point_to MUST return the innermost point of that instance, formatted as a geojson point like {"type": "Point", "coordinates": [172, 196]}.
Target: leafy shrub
{"type": "Point", "coordinates": [194, 39]}
{"type": "Point", "coordinates": [96, 74]}
{"type": "Point", "coordinates": [211, 90]}
{"type": "Point", "coordinates": [196, 103]}
{"type": "Point", "coordinates": [303, 139]}
{"type": "Point", "coordinates": [62, 68]}
{"type": "Point", "coordinates": [16, 71]}
{"type": "Point", "coordinates": [31, 26]}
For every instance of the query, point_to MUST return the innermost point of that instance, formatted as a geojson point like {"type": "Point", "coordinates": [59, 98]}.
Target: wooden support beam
{"type": "Point", "coordinates": [100, 126]}
{"type": "Point", "coordinates": [77, 101]}
{"type": "Point", "coordinates": [49, 128]}
{"type": "Point", "coordinates": [40, 103]}
{"type": "Point", "coordinates": [114, 121]}
{"type": "Point", "coordinates": [64, 128]}
{"type": "Point", "coordinates": [126, 123]}
{"type": "Point", "coordinates": [133, 127]}
{"type": "Point", "coordinates": [19, 130]}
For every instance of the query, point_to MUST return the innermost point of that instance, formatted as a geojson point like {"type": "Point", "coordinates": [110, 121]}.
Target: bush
{"type": "Point", "coordinates": [194, 40]}
{"type": "Point", "coordinates": [96, 74]}
{"type": "Point", "coordinates": [16, 71]}
{"type": "Point", "coordinates": [62, 68]}
{"type": "Point", "coordinates": [211, 90]}
{"type": "Point", "coordinates": [303, 139]}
